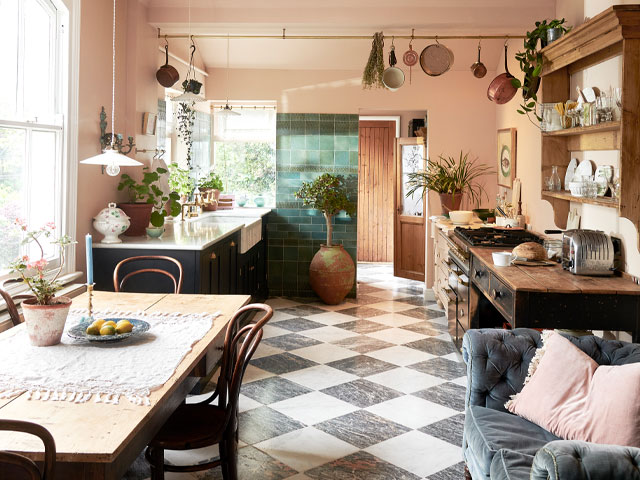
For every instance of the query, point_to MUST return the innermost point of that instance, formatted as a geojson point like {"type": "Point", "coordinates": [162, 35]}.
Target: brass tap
{"type": "Point", "coordinates": [200, 200]}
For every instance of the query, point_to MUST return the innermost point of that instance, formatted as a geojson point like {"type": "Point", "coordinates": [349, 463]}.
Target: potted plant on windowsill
{"type": "Point", "coordinates": [148, 204]}
{"type": "Point", "coordinates": [211, 182]}
{"type": "Point", "coordinates": [332, 271]}
{"type": "Point", "coordinates": [44, 314]}
{"type": "Point", "coordinates": [181, 182]}
{"type": "Point", "coordinates": [451, 179]}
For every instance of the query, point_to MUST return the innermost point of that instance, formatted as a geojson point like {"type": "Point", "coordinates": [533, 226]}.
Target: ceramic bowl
{"type": "Point", "coordinates": [461, 217]}
{"type": "Point", "coordinates": [155, 232]}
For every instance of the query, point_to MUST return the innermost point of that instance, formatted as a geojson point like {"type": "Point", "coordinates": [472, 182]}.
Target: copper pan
{"type": "Point", "coordinates": [500, 89]}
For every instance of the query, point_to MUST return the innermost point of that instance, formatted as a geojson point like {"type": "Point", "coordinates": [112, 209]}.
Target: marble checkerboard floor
{"type": "Point", "coordinates": [370, 389]}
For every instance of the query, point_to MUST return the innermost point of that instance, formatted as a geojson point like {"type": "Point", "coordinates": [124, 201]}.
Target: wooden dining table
{"type": "Point", "coordinates": [98, 440]}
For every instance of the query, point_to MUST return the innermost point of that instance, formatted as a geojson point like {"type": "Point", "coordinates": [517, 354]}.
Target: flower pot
{"type": "Point", "coordinates": [139, 215]}
{"type": "Point", "coordinates": [45, 323]}
{"type": "Point", "coordinates": [154, 232]}
{"type": "Point", "coordinates": [216, 194]}
{"type": "Point", "coordinates": [193, 86]}
{"type": "Point", "coordinates": [332, 273]}
{"type": "Point", "coordinates": [450, 202]}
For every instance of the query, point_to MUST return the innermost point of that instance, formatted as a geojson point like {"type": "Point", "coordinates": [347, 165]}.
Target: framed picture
{"type": "Point", "coordinates": [149, 123]}
{"type": "Point", "coordinates": [506, 156]}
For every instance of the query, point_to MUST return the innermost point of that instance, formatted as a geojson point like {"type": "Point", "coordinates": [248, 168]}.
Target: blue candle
{"type": "Point", "coordinates": [89, 259]}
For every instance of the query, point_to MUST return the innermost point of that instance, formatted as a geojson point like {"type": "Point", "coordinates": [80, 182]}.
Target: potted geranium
{"type": "Point", "coordinates": [211, 182]}
{"type": "Point", "coordinates": [181, 181]}
{"type": "Point", "coordinates": [45, 314]}
{"type": "Point", "coordinates": [332, 271]}
{"type": "Point", "coordinates": [147, 202]}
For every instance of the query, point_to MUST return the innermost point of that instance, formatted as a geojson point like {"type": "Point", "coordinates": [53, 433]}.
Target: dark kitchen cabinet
{"type": "Point", "coordinates": [252, 272]}
{"type": "Point", "coordinates": [219, 267]}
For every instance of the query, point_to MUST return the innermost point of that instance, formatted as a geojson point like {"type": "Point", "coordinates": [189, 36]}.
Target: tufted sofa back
{"type": "Point", "coordinates": [498, 360]}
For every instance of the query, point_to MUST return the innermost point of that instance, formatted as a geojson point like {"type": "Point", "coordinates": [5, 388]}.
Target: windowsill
{"type": "Point", "coordinates": [70, 290]}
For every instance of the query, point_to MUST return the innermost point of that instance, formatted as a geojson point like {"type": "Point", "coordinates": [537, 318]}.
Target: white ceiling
{"type": "Point", "coordinates": [341, 17]}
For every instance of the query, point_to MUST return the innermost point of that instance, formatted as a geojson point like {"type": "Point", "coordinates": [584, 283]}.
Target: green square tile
{"type": "Point", "coordinates": [298, 127]}
{"type": "Point", "coordinates": [290, 253]}
{"type": "Point", "coordinates": [313, 142]}
{"type": "Point", "coordinates": [354, 128]}
{"type": "Point", "coordinates": [326, 157]}
{"type": "Point", "coordinates": [353, 159]}
{"type": "Point", "coordinates": [343, 117]}
{"type": "Point", "coordinates": [305, 253]}
{"type": "Point", "coordinates": [283, 142]}
{"type": "Point", "coordinates": [283, 157]}
{"type": "Point", "coordinates": [283, 128]}
{"type": "Point", "coordinates": [298, 142]}
{"type": "Point", "coordinates": [353, 144]}
{"type": "Point", "coordinates": [326, 142]}
{"type": "Point", "coordinates": [342, 128]}
{"type": "Point", "coordinates": [327, 117]}
{"type": "Point", "coordinates": [312, 127]}
{"type": "Point", "coordinates": [313, 157]}
{"type": "Point", "coordinates": [341, 158]}
{"type": "Point", "coordinates": [341, 143]}
{"type": "Point", "coordinates": [297, 116]}
{"type": "Point", "coordinates": [311, 116]}
{"type": "Point", "coordinates": [282, 117]}
{"type": "Point", "coordinates": [326, 128]}
{"type": "Point", "coordinates": [298, 157]}
{"type": "Point", "coordinates": [275, 253]}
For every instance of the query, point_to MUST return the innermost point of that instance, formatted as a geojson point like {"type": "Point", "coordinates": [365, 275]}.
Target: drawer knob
{"type": "Point", "coordinates": [479, 273]}
{"type": "Point", "coordinates": [233, 244]}
{"type": "Point", "coordinates": [252, 268]}
{"type": "Point", "coordinates": [213, 256]}
{"type": "Point", "coordinates": [462, 311]}
{"type": "Point", "coordinates": [495, 293]}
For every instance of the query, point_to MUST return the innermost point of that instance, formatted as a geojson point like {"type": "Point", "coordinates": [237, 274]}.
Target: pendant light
{"type": "Point", "coordinates": [226, 111]}
{"type": "Point", "coordinates": [110, 156]}
{"type": "Point", "coordinates": [190, 85]}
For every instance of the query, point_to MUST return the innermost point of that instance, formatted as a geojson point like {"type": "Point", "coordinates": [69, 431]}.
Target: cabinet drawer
{"type": "Point", "coordinates": [480, 275]}
{"type": "Point", "coordinates": [502, 296]}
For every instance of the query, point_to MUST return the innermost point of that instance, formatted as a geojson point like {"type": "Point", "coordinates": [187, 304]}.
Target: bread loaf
{"type": "Point", "coordinates": [530, 251]}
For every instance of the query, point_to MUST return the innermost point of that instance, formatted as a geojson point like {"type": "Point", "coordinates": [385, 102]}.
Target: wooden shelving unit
{"type": "Point", "coordinates": [602, 201]}
{"type": "Point", "coordinates": [614, 32]}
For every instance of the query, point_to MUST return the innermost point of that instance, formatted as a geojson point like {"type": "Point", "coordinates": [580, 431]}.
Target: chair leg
{"type": "Point", "coordinates": [156, 461]}
{"type": "Point", "coordinates": [223, 459]}
{"type": "Point", "coordinates": [467, 473]}
{"type": "Point", "coordinates": [230, 459]}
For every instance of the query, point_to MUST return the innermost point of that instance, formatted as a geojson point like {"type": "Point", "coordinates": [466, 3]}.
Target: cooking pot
{"type": "Point", "coordinates": [167, 75]}
{"type": "Point", "coordinates": [393, 77]}
{"type": "Point", "coordinates": [478, 69]}
{"type": "Point", "coordinates": [500, 89]}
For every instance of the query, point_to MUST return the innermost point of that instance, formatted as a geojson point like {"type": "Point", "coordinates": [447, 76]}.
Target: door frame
{"type": "Point", "coordinates": [382, 118]}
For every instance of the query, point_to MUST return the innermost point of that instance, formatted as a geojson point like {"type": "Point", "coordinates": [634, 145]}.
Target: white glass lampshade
{"type": "Point", "coordinates": [227, 112]}
{"type": "Point", "coordinates": [113, 161]}
{"type": "Point", "coordinates": [188, 97]}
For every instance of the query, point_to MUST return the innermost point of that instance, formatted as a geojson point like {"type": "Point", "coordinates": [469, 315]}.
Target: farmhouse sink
{"type": "Point", "coordinates": [250, 233]}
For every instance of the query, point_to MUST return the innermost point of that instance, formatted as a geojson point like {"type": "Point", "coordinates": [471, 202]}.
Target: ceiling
{"type": "Point", "coordinates": [341, 17]}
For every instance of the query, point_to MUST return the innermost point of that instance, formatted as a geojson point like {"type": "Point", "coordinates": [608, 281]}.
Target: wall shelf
{"type": "Point", "coordinates": [599, 128]}
{"type": "Point", "coordinates": [602, 201]}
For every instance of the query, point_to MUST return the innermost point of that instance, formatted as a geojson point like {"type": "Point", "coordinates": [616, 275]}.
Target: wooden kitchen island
{"type": "Point", "coordinates": [549, 297]}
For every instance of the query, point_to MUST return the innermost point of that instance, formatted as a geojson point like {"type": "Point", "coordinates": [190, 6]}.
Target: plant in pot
{"type": "Point", "coordinates": [211, 182]}
{"type": "Point", "coordinates": [531, 61]}
{"type": "Point", "coordinates": [451, 179]}
{"type": "Point", "coordinates": [148, 204]}
{"type": "Point", "coordinates": [332, 271]}
{"type": "Point", "coordinates": [181, 181]}
{"type": "Point", "coordinates": [44, 314]}
{"type": "Point", "coordinates": [186, 116]}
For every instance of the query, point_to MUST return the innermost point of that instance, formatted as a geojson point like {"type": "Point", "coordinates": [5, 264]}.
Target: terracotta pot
{"type": "Point", "coordinates": [139, 215]}
{"type": "Point", "coordinates": [449, 202]}
{"type": "Point", "coordinates": [45, 323]}
{"type": "Point", "coordinates": [216, 195]}
{"type": "Point", "coordinates": [332, 273]}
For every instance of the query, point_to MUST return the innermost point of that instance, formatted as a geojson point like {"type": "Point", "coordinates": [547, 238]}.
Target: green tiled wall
{"type": "Point", "coordinates": [308, 145]}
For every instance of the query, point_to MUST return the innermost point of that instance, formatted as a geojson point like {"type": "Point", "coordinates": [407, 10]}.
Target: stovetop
{"type": "Point", "coordinates": [493, 237]}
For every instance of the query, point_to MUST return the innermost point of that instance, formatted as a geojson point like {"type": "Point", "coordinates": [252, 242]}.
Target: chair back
{"type": "Point", "coordinates": [237, 354]}
{"type": "Point", "coordinates": [119, 284]}
{"type": "Point", "coordinates": [19, 467]}
{"type": "Point", "coordinates": [11, 304]}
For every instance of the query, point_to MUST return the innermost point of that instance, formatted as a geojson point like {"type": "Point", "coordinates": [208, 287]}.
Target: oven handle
{"type": "Point", "coordinates": [448, 291]}
{"type": "Point", "coordinates": [456, 273]}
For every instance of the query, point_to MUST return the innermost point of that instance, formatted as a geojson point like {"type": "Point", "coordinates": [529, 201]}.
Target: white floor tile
{"type": "Point", "coordinates": [395, 320]}
{"type": "Point", "coordinates": [273, 331]}
{"type": "Point", "coordinates": [462, 381]}
{"type": "Point", "coordinates": [324, 353]}
{"type": "Point", "coordinates": [398, 336]}
{"type": "Point", "coordinates": [412, 412]}
{"type": "Point", "coordinates": [252, 374]}
{"type": "Point", "coordinates": [406, 380]}
{"type": "Point", "coordinates": [264, 350]}
{"type": "Point", "coordinates": [245, 403]}
{"type": "Point", "coordinates": [312, 408]}
{"type": "Point", "coordinates": [391, 306]}
{"type": "Point", "coordinates": [330, 308]}
{"type": "Point", "coordinates": [454, 357]}
{"type": "Point", "coordinates": [440, 320]}
{"type": "Point", "coordinates": [388, 295]}
{"type": "Point", "coordinates": [332, 318]}
{"type": "Point", "coordinates": [278, 316]}
{"type": "Point", "coordinates": [328, 333]}
{"type": "Point", "coordinates": [279, 302]}
{"type": "Point", "coordinates": [319, 377]}
{"type": "Point", "coordinates": [418, 453]}
{"type": "Point", "coordinates": [306, 448]}
{"type": "Point", "coordinates": [401, 356]}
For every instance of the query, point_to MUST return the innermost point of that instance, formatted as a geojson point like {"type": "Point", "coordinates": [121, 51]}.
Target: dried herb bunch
{"type": "Point", "coordinates": [372, 76]}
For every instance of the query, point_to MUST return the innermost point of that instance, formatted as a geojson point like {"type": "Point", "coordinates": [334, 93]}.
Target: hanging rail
{"type": "Point", "coordinates": [284, 36]}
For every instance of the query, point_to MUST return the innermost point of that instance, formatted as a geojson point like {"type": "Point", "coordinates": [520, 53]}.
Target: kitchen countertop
{"type": "Point", "coordinates": [194, 233]}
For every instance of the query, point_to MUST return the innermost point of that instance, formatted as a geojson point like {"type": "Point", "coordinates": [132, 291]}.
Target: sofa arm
{"type": "Point", "coordinates": [574, 460]}
{"type": "Point", "coordinates": [497, 364]}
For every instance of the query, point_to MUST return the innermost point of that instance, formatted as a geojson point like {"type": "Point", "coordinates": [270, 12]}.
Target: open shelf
{"type": "Point", "coordinates": [600, 127]}
{"type": "Point", "coordinates": [602, 201]}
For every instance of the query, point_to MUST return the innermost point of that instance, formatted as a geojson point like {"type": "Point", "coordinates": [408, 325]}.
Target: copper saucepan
{"type": "Point", "coordinates": [478, 69]}
{"type": "Point", "coordinates": [167, 75]}
{"type": "Point", "coordinates": [500, 89]}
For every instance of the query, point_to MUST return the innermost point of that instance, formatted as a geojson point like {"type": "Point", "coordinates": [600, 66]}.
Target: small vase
{"type": "Point", "coordinates": [259, 201]}
{"type": "Point", "coordinates": [556, 183]}
{"type": "Point", "coordinates": [332, 273]}
{"type": "Point", "coordinates": [45, 323]}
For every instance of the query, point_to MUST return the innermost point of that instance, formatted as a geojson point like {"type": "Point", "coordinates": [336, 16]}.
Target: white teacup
{"type": "Point", "coordinates": [502, 259]}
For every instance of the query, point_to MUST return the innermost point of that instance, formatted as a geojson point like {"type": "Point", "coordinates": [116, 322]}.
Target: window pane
{"type": "Point", "coordinates": [39, 78]}
{"type": "Point", "coordinates": [9, 42]}
{"type": "Point", "coordinates": [412, 161]}
{"type": "Point", "coordinates": [12, 161]}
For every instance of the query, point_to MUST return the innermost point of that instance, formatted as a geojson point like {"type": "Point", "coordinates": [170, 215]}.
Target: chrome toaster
{"type": "Point", "coordinates": [588, 252]}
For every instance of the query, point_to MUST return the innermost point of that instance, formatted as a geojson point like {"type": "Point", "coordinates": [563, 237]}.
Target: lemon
{"type": "Point", "coordinates": [124, 326]}
{"type": "Point", "coordinates": [107, 330]}
{"type": "Point", "coordinates": [110, 322]}
{"type": "Point", "coordinates": [93, 329]}
{"type": "Point", "coordinates": [98, 323]}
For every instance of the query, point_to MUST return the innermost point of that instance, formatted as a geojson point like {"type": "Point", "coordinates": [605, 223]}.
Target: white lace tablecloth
{"type": "Point", "coordinates": [77, 370]}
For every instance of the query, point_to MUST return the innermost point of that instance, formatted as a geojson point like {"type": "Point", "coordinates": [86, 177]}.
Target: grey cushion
{"type": "Point", "coordinates": [486, 431]}
{"type": "Point", "coordinates": [510, 465]}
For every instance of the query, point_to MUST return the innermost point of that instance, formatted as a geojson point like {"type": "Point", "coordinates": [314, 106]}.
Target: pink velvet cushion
{"type": "Point", "coordinates": [571, 396]}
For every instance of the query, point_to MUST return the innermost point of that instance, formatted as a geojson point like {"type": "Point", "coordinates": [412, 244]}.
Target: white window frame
{"type": "Point", "coordinates": [66, 49]}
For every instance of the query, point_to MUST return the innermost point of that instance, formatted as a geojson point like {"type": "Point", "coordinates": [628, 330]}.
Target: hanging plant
{"type": "Point", "coordinates": [372, 75]}
{"type": "Point", "coordinates": [186, 114]}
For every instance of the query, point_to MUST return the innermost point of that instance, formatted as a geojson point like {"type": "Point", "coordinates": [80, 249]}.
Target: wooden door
{"type": "Point", "coordinates": [375, 191]}
{"type": "Point", "coordinates": [410, 224]}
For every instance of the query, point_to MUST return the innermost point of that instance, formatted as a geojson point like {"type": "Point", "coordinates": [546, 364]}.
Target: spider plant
{"type": "Point", "coordinates": [451, 176]}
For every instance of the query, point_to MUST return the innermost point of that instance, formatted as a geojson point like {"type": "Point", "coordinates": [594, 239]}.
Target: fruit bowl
{"type": "Point", "coordinates": [79, 332]}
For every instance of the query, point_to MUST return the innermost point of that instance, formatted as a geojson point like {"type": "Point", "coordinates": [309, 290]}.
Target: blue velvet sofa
{"type": "Point", "coordinates": [500, 446]}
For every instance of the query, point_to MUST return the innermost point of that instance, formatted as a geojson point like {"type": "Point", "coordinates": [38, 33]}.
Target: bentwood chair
{"type": "Point", "coordinates": [177, 283]}
{"type": "Point", "coordinates": [11, 304]}
{"type": "Point", "coordinates": [18, 467]}
{"type": "Point", "coordinates": [202, 424]}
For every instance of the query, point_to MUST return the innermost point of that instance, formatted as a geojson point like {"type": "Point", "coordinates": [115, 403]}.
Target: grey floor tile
{"type": "Point", "coordinates": [360, 466]}
{"type": "Point", "coordinates": [455, 472]}
{"type": "Point", "coordinates": [297, 324]}
{"type": "Point", "coordinates": [362, 326]}
{"type": "Point", "coordinates": [282, 363]}
{"type": "Point", "coordinates": [447, 394]}
{"type": "Point", "coordinates": [302, 310]}
{"type": "Point", "coordinates": [253, 463]}
{"type": "Point", "coordinates": [441, 367]}
{"type": "Point", "coordinates": [364, 299]}
{"type": "Point", "coordinates": [273, 389]}
{"type": "Point", "coordinates": [425, 328]}
{"type": "Point", "coordinates": [422, 313]}
{"type": "Point", "coordinates": [363, 344]}
{"type": "Point", "coordinates": [449, 429]}
{"type": "Point", "coordinates": [434, 346]}
{"type": "Point", "coordinates": [362, 393]}
{"type": "Point", "coordinates": [263, 423]}
{"type": "Point", "coordinates": [291, 341]}
{"type": "Point", "coordinates": [361, 428]}
{"type": "Point", "coordinates": [362, 365]}
{"type": "Point", "coordinates": [363, 312]}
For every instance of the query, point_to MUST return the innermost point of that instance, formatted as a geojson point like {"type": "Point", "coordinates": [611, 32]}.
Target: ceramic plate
{"type": "Point", "coordinates": [79, 332]}
{"type": "Point", "coordinates": [571, 170]}
{"type": "Point", "coordinates": [585, 169]}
